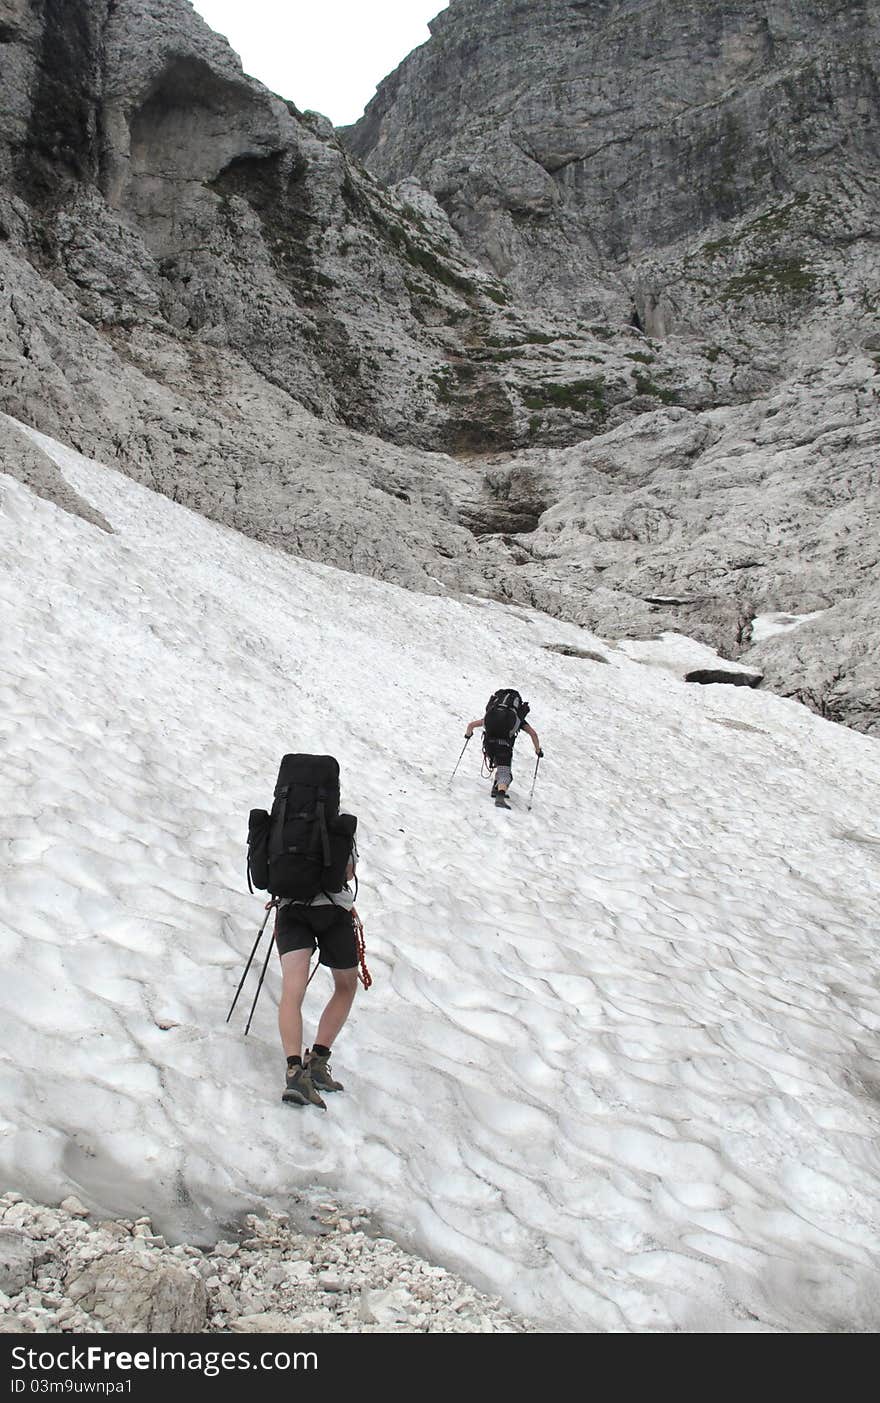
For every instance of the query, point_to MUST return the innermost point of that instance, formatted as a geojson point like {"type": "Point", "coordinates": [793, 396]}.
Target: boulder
{"type": "Point", "coordinates": [142, 1293]}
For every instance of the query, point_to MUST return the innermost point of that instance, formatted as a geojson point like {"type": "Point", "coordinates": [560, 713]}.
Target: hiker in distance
{"type": "Point", "coordinates": [502, 721]}
{"type": "Point", "coordinates": [311, 855]}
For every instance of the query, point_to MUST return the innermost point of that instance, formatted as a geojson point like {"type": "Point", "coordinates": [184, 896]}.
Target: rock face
{"type": "Point", "coordinates": [22, 459]}
{"type": "Point", "coordinates": [567, 141]}
{"type": "Point", "coordinates": [164, 188]}
{"type": "Point", "coordinates": [596, 331]}
{"type": "Point", "coordinates": [139, 1294]}
{"type": "Point", "coordinates": [712, 172]}
{"type": "Point", "coordinates": [830, 662]}
{"type": "Point", "coordinates": [183, 211]}
{"type": "Point", "coordinates": [200, 287]}
{"type": "Point", "coordinates": [18, 1260]}
{"type": "Point", "coordinates": [701, 523]}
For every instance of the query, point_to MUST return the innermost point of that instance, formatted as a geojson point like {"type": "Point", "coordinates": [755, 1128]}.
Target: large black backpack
{"type": "Point", "coordinates": [303, 847]}
{"type": "Point", "coordinates": [504, 714]}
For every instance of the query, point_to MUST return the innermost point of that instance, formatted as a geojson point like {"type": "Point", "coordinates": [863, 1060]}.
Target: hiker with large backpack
{"type": "Point", "coordinates": [502, 721]}
{"type": "Point", "coordinates": [304, 853]}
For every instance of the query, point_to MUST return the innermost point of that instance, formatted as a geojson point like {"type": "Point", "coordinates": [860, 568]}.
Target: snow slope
{"type": "Point", "coordinates": [619, 1062]}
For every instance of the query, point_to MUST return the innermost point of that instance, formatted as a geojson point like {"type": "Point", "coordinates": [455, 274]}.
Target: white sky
{"type": "Point", "coordinates": [617, 1061]}
{"type": "Point", "coordinates": [328, 57]}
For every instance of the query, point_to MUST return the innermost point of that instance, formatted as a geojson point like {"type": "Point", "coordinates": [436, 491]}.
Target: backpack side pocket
{"type": "Point", "coordinates": [258, 850]}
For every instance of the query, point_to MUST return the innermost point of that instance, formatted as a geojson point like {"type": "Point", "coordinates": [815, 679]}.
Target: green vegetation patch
{"type": "Point", "coordinates": [646, 386]}
{"type": "Point", "coordinates": [581, 396]}
{"type": "Point", "coordinates": [444, 384]}
{"type": "Point", "coordinates": [776, 220]}
{"type": "Point", "coordinates": [766, 226]}
{"type": "Point", "coordinates": [784, 277]}
{"type": "Point", "coordinates": [423, 258]}
{"type": "Point", "coordinates": [429, 262]}
{"type": "Point", "coordinates": [415, 217]}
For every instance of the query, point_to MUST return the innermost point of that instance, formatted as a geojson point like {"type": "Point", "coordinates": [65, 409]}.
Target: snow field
{"type": "Point", "coordinates": [618, 1064]}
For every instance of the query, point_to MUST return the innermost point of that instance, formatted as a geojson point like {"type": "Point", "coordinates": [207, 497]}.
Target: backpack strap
{"type": "Point", "coordinates": [322, 826]}
{"type": "Point", "coordinates": [278, 820]}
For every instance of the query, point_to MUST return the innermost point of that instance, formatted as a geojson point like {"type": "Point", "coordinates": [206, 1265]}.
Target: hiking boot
{"type": "Point", "coordinates": [300, 1090]}
{"type": "Point", "coordinates": [494, 790]}
{"type": "Point", "coordinates": [319, 1070]}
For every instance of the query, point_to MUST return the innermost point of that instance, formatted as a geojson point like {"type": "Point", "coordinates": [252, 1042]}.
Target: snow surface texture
{"type": "Point", "coordinates": [618, 1065]}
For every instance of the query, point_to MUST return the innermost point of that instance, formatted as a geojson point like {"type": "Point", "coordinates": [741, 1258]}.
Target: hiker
{"type": "Point", "coordinates": [305, 854]}
{"type": "Point", "coordinates": [502, 721]}
{"type": "Point", "coordinates": [324, 923]}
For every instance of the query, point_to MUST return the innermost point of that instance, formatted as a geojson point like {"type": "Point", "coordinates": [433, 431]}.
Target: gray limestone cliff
{"type": "Point", "coordinates": [163, 191]}
{"type": "Point", "coordinates": [159, 187]}
{"type": "Point", "coordinates": [569, 142]}
{"type": "Point", "coordinates": [198, 285]}
{"type": "Point", "coordinates": [595, 330]}
{"type": "Point", "coordinates": [711, 173]}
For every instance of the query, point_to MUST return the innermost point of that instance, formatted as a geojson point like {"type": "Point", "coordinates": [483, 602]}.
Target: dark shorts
{"type": "Point", "coordinates": [329, 928]}
{"type": "Point", "coordinates": [498, 752]}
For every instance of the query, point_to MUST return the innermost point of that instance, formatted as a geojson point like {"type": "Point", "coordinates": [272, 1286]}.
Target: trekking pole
{"type": "Point", "coordinates": [534, 778]}
{"type": "Point", "coordinates": [259, 987]}
{"type": "Point", "coordinates": [458, 761]}
{"type": "Point", "coordinates": [250, 959]}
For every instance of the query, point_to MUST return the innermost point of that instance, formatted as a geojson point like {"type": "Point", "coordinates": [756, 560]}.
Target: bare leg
{"type": "Point", "coordinates": [344, 989]}
{"type": "Point", "coordinates": [295, 977]}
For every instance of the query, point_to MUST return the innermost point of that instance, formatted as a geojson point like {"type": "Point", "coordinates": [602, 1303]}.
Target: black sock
{"type": "Point", "coordinates": [320, 1050]}
{"type": "Point", "coordinates": [294, 1062]}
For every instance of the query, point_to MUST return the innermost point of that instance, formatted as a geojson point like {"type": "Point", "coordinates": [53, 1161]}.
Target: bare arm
{"type": "Point", "coordinates": [533, 736]}
{"type": "Point", "coordinates": [474, 726]}
{"type": "Point", "coordinates": [352, 862]}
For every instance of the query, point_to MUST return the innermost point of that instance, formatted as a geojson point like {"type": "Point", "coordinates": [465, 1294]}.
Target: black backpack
{"type": "Point", "coordinates": [304, 846]}
{"type": "Point", "coordinates": [504, 714]}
